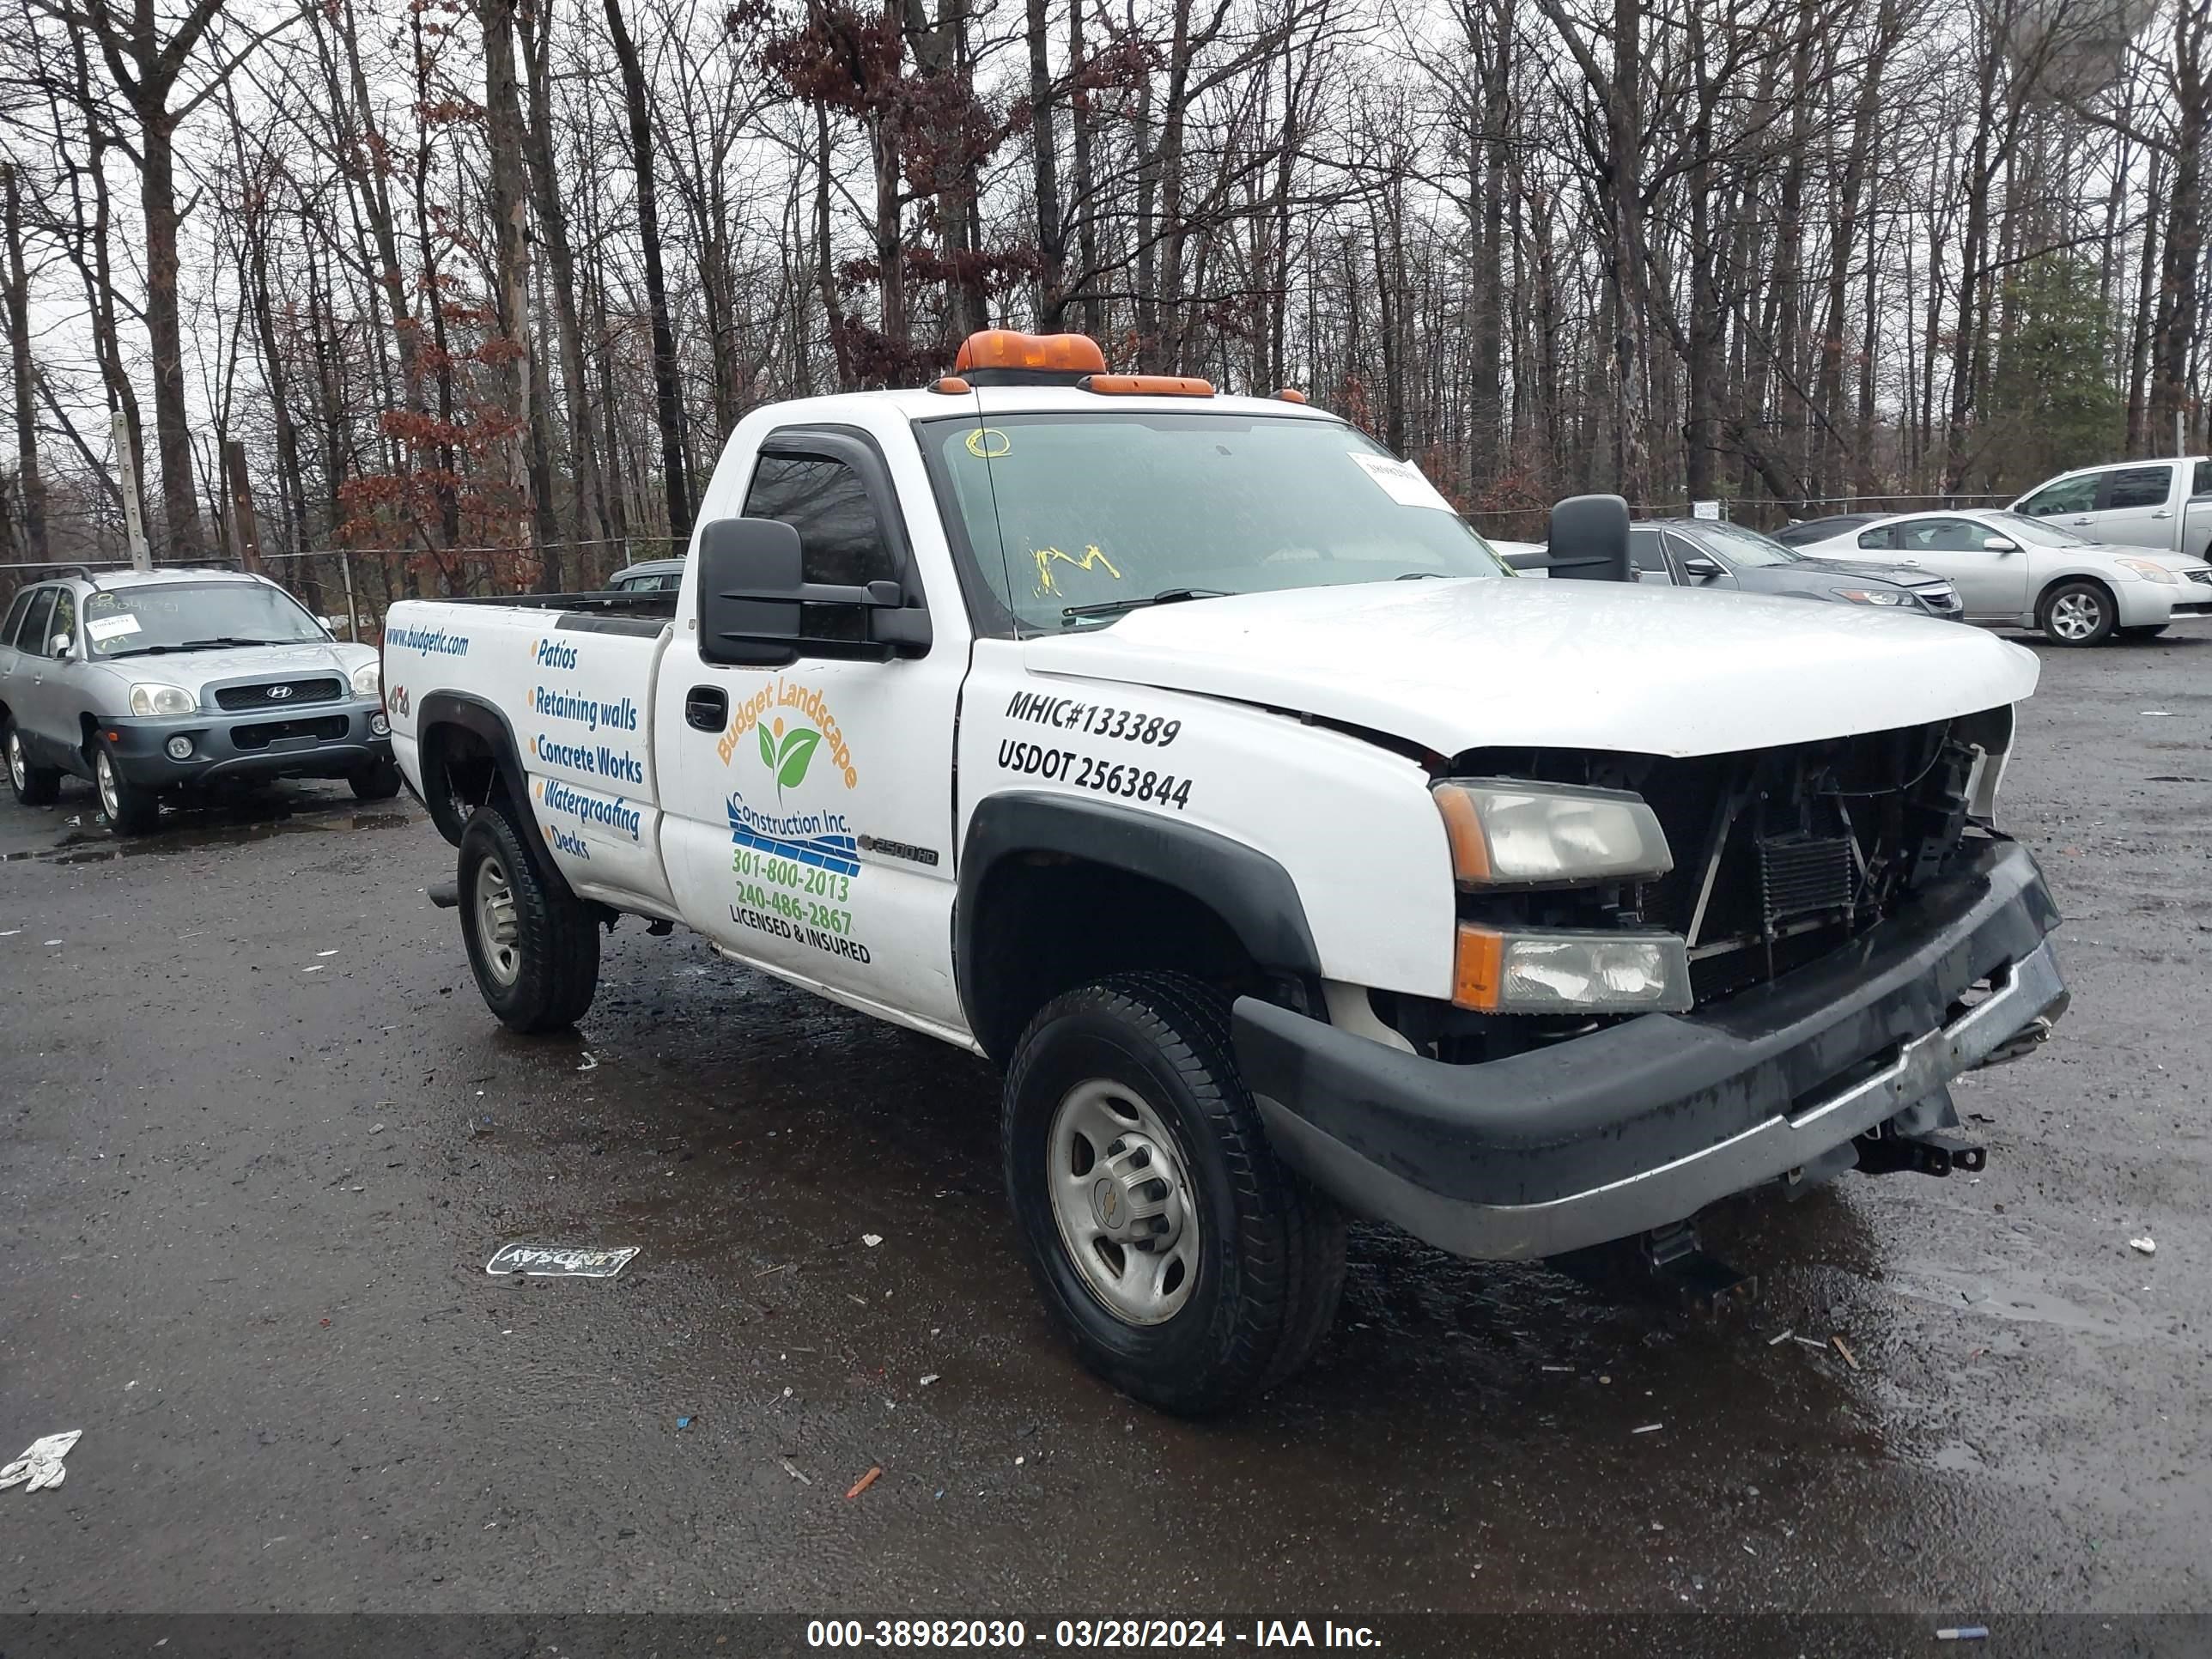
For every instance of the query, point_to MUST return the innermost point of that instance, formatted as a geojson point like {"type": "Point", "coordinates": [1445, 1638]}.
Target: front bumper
{"type": "Point", "coordinates": [316, 740]}
{"type": "Point", "coordinates": [1645, 1122]}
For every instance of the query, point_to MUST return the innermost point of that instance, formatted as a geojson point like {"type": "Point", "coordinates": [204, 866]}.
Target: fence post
{"type": "Point", "coordinates": [345, 567]}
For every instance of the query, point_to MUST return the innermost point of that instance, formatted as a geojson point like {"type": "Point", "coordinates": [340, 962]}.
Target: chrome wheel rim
{"type": "Point", "coordinates": [497, 936]}
{"type": "Point", "coordinates": [1123, 1202]}
{"type": "Point", "coordinates": [2076, 616]}
{"type": "Point", "coordinates": [111, 795]}
{"type": "Point", "coordinates": [19, 769]}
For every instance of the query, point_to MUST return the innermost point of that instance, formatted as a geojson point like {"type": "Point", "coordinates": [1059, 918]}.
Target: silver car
{"type": "Point", "coordinates": [150, 681]}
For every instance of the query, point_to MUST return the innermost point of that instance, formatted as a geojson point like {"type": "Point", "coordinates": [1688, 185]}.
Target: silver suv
{"type": "Point", "coordinates": [148, 682]}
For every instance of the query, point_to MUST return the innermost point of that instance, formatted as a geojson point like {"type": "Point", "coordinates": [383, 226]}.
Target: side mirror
{"type": "Point", "coordinates": [1702, 568]}
{"type": "Point", "coordinates": [1589, 540]}
{"type": "Point", "coordinates": [59, 645]}
{"type": "Point", "coordinates": [2000, 544]}
{"type": "Point", "coordinates": [757, 608]}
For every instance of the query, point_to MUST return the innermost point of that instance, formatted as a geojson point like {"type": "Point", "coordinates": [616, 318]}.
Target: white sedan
{"type": "Point", "coordinates": [2013, 571]}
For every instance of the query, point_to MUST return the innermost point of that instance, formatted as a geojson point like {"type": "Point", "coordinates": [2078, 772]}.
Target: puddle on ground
{"type": "Point", "coordinates": [233, 822]}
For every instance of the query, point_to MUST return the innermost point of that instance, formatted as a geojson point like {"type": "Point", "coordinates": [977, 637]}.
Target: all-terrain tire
{"type": "Point", "coordinates": [34, 784]}
{"type": "Point", "coordinates": [1270, 1251]}
{"type": "Point", "coordinates": [534, 949]}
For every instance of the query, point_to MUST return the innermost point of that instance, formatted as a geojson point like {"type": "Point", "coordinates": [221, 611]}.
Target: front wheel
{"type": "Point", "coordinates": [535, 950]}
{"type": "Point", "coordinates": [378, 782]}
{"type": "Point", "coordinates": [1188, 1267]}
{"type": "Point", "coordinates": [132, 808]}
{"type": "Point", "coordinates": [34, 784]}
{"type": "Point", "coordinates": [2077, 613]}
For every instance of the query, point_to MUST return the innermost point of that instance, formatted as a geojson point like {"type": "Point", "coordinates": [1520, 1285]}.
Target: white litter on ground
{"type": "Point", "coordinates": [871, 1239]}
{"type": "Point", "coordinates": [40, 1465]}
{"type": "Point", "coordinates": [2145, 1246]}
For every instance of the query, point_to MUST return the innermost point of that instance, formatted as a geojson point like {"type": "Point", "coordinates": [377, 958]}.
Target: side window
{"type": "Point", "coordinates": [15, 617]}
{"type": "Point", "coordinates": [1946, 536]}
{"type": "Point", "coordinates": [32, 635]}
{"type": "Point", "coordinates": [2066, 496]}
{"type": "Point", "coordinates": [2138, 486]}
{"type": "Point", "coordinates": [1881, 536]}
{"type": "Point", "coordinates": [64, 620]}
{"type": "Point", "coordinates": [2200, 487]}
{"type": "Point", "coordinates": [825, 502]}
{"type": "Point", "coordinates": [1646, 553]}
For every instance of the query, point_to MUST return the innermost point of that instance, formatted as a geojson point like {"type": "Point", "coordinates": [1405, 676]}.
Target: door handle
{"type": "Point", "coordinates": [2162, 514]}
{"type": "Point", "coordinates": [706, 707]}
{"type": "Point", "coordinates": [2085, 520]}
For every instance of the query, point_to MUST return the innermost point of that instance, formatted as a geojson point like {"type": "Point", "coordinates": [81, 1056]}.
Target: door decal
{"type": "Point", "coordinates": [794, 855]}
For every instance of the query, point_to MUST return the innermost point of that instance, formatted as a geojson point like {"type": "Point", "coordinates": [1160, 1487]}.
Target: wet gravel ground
{"type": "Point", "coordinates": [258, 1136]}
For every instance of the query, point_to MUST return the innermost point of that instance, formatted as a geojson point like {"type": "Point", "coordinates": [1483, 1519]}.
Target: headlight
{"type": "Point", "coordinates": [368, 680]}
{"type": "Point", "coordinates": [1872, 596]}
{"type": "Point", "coordinates": [1564, 973]}
{"type": "Point", "coordinates": [161, 700]}
{"type": "Point", "coordinates": [1505, 834]}
{"type": "Point", "coordinates": [2149, 571]}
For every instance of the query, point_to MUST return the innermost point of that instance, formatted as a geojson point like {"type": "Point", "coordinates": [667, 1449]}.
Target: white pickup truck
{"type": "Point", "coordinates": [1100, 725]}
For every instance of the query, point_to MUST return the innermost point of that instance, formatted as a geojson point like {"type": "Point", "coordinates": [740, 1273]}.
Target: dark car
{"type": "Point", "coordinates": [1806, 531]}
{"type": "Point", "coordinates": [1705, 553]}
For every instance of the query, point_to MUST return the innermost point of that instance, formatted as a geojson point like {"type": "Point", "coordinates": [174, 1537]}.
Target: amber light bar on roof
{"type": "Point", "coordinates": [1005, 356]}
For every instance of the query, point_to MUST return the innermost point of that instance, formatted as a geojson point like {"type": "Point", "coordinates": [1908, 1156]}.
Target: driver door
{"type": "Point", "coordinates": [35, 689]}
{"type": "Point", "coordinates": [1991, 584]}
{"type": "Point", "coordinates": [809, 826]}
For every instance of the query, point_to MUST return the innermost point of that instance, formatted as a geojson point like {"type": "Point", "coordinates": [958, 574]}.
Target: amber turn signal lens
{"type": "Point", "coordinates": [1003, 348]}
{"type": "Point", "coordinates": [1470, 847]}
{"type": "Point", "coordinates": [951, 385]}
{"type": "Point", "coordinates": [1290, 394]}
{"type": "Point", "coordinates": [1477, 968]}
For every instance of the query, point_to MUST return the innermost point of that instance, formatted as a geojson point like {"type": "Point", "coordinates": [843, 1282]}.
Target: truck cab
{"type": "Point", "coordinates": [1190, 757]}
{"type": "Point", "coordinates": [2165, 505]}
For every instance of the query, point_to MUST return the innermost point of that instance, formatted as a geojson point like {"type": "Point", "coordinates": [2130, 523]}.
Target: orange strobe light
{"type": "Point", "coordinates": [1002, 357]}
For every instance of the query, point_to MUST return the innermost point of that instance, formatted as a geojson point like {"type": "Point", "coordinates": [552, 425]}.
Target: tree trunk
{"type": "Point", "coordinates": [668, 409]}
{"type": "Point", "coordinates": [15, 291]}
{"type": "Point", "coordinates": [1051, 234]}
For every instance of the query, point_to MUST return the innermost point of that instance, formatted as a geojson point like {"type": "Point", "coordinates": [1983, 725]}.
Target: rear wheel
{"type": "Point", "coordinates": [535, 950]}
{"type": "Point", "coordinates": [131, 808]}
{"type": "Point", "coordinates": [34, 784]}
{"type": "Point", "coordinates": [2077, 613]}
{"type": "Point", "coordinates": [378, 782]}
{"type": "Point", "coordinates": [1188, 1267]}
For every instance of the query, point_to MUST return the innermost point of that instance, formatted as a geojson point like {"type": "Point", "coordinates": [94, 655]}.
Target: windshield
{"type": "Point", "coordinates": [190, 616]}
{"type": "Point", "coordinates": [1746, 547]}
{"type": "Point", "coordinates": [2037, 533]}
{"type": "Point", "coordinates": [1088, 512]}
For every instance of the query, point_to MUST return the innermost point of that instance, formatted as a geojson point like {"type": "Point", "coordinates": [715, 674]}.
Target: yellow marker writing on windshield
{"type": "Point", "coordinates": [987, 443]}
{"type": "Point", "coordinates": [1047, 556]}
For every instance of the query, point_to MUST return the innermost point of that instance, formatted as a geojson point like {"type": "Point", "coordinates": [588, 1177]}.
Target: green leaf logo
{"type": "Point", "coordinates": [794, 756]}
{"type": "Point", "coordinates": [767, 748]}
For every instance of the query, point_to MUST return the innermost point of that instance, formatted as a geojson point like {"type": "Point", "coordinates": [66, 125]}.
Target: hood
{"type": "Point", "coordinates": [1904, 575]}
{"type": "Point", "coordinates": [2165, 558]}
{"type": "Point", "coordinates": [1461, 664]}
{"type": "Point", "coordinates": [194, 668]}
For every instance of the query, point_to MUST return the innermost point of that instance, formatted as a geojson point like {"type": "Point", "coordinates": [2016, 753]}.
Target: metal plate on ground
{"type": "Point", "coordinates": [560, 1260]}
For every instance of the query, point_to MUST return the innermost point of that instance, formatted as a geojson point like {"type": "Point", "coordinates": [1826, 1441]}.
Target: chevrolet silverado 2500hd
{"type": "Point", "coordinates": [1189, 757]}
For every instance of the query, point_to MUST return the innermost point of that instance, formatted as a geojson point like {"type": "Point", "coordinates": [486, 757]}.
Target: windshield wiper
{"type": "Point", "coordinates": [222, 640]}
{"type": "Point", "coordinates": [1165, 596]}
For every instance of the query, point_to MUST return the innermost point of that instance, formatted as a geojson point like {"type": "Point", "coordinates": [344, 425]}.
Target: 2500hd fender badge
{"type": "Point", "coordinates": [899, 849]}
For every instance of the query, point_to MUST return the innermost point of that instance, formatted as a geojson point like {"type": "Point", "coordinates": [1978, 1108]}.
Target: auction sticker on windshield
{"type": "Point", "coordinates": [559, 1261]}
{"type": "Point", "coordinates": [1401, 480]}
